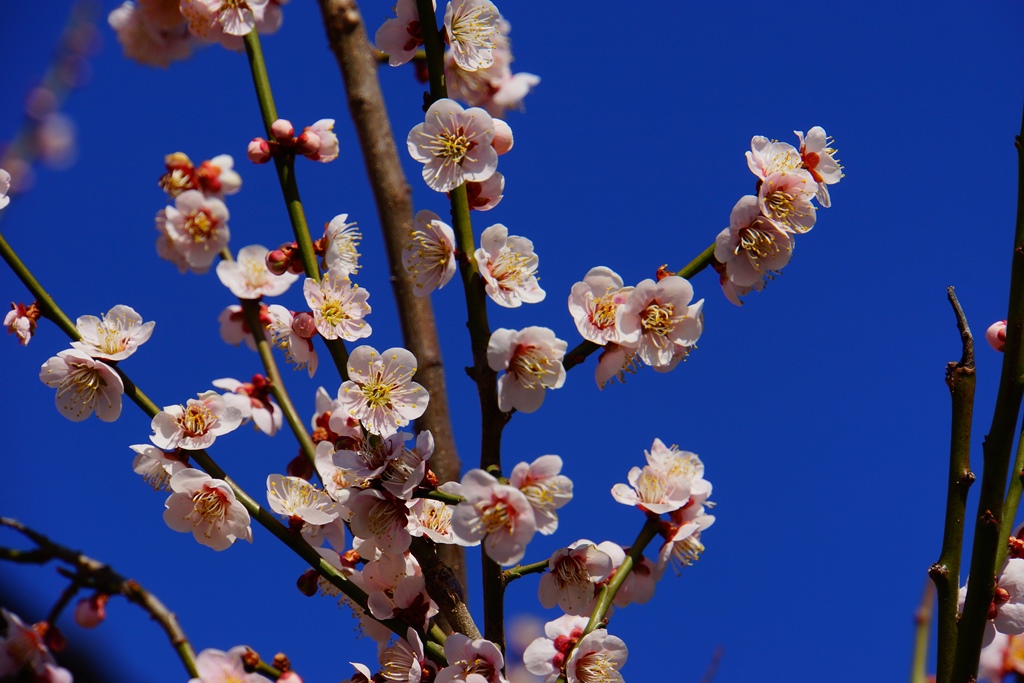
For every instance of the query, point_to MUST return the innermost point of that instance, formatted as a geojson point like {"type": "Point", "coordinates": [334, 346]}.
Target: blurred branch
{"type": "Point", "coordinates": [922, 624]}
{"type": "Point", "coordinates": [101, 577]}
{"type": "Point", "coordinates": [960, 378]}
{"type": "Point", "coordinates": [347, 39]}
{"type": "Point", "coordinates": [988, 537]}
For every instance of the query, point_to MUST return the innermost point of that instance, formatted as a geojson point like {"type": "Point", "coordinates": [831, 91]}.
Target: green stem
{"type": "Point", "coordinates": [289, 188]}
{"type": "Point", "coordinates": [49, 309]}
{"type": "Point", "coordinates": [960, 377]}
{"type": "Point", "coordinates": [636, 552]}
{"type": "Point", "coordinates": [698, 264]}
{"type": "Point", "coordinates": [251, 310]}
{"type": "Point", "coordinates": [521, 570]}
{"type": "Point", "coordinates": [988, 524]}
{"type": "Point", "coordinates": [922, 623]}
{"type": "Point", "coordinates": [440, 496]}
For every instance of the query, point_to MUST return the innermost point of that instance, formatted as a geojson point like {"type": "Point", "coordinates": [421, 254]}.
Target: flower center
{"type": "Point", "coordinates": [658, 318]}
{"type": "Point", "coordinates": [196, 420]}
{"type": "Point", "coordinates": [687, 551]}
{"type": "Point", "coordinates": [497, 516]}
{"type": "Point", "coordinates": [572, 570]}
{"type": "Point", "coordinates": [209, 505]}
{"type": "Point", "coordinates": [377, 393]}
{"type": "Point", "coordinates": [532, 368]}
{"type": "Point", "coordinates": [452, 146]}
{"type": "Point", "coordinates": [511, 269]}
{"type": "Point", "coordinates": [480, 667]}
{"type": "Point", "coordinates": [758, 243]}
{"type": "Point", "coordinates": [200, 226]}
{"type": "Point", "coordinates": [596, 667]}
{"type": "Point", "coordinates": [650, 486]}
{"type": "Point", "coordinates": [602, 311]}
{"type": "Point", "coordinates": [84, 382]}
{"type": "Point", "coordinates": [476, 27]}
{"type": "Point", "coordinates": [785, 207]}
{"type": "Point", "coordinates": [333, 312]}
{"type": "Point", "coordinates": [384, 517]}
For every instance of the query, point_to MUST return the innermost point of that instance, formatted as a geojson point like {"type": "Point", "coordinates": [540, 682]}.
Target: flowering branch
{"type": "Point", "coordinates": [636, 552]}
{"type": "Point", "coordinates": [285, 165]}
{"type": "Point", "coordinates": [104, 579]}
{"type": "Point", "coordinates": [960, 377]}
{"type": "Point", "coordinates": [346, 34]}
{"type": "Point", "coordinates": [987, 531]}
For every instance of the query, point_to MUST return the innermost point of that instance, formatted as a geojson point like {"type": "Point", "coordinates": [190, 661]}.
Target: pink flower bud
{"type": "Point", "coordinates": [282, 130]}
{"type": "Point", "coordinates": [289, 677]}
{"type": "Point", "coordinates": [304, 325]}
{"type": "Point", "coordinates": [502, 141]}
{"type": "Point", "coordinates": [996, 335]}
{"type": "Point", "coordinates": [89, 612]}
{"type": "Point", "coordinates": [308, 143]}
{"type": "Point", "coordinates": [278, 261]}
{"type": "Point", "coordinates": [258, 151]}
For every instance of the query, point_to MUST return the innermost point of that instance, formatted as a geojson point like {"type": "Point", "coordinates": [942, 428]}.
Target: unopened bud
{"type": "Point", "coordinates": [300, 467]}
{"type": "Point", "coordinates": [278, 261]}
{"type": "Point", "coordinates": [503, 140]}
{"type": "Point", "coordinates": [258, 151]}
{"type": "Point", "coordinates": [304, 325]}
{"type": "Point", "coordinates": [53, 636]}
{"type": "Point", "coordinates": [308, 142]}
{"type": "Point", "coordinates": [89, 612]}
{"type": "Point", "coordinates": [996, 335]}
{"type": "Point", "coordinates": [308, 583]}
{"type": "Point", "coordinates": [282, 130]}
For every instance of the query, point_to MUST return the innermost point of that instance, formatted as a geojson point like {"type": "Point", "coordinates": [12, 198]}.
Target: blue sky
{"type": "Point", "coordinates": [819, 408]}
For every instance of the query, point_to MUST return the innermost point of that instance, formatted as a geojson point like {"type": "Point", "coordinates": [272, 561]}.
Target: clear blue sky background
{"type": "Point", "coordinates": [819, 408]}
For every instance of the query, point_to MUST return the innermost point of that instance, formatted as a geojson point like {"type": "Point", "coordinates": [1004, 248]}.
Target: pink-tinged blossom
{"type": "Point", "coordinates": [91, 611]}
{"type": "Point", "coordinates": [149, 42]}
{"type": "Point", "coordinates": [206, 507]}
{"type": "Point", "coordinates": [508, 267]}
{"type": "Point", "coordinates": [767, 157]}
{"type": "Point", "coordinates": [341, 238]}
{"type": "Point", "coordinates": [294, 497]}
{"type": "Point", "coordinates": [1006, 614]}
{"type": "Point", "coordinates": [503, 139]}
{"type": "Point", "coordinates": [597, 659]}
{"type": "Point", "coordinates": [84, 385]}
{"type": "Point", "coordinates": [319, 142]}
{"type": "Point", "coordinates": [682, 534]}
{"type": "Point", "coordinates": [405, 661]}
{"type": "Point", "coordinates": [429, 257]}
{"type": "Point", "coordinates": [400, 37]}
{"type": "Point", "coordinates": [116, 336]}
{"type": "Point", "coordinates": [380, 392]}
{"type": "Point", "coordinates": [471, 661]}
{"type": "Point", "coordinates": [545, 488]}
{"type": "Point", "coordinates": [24, 650]}
{"type": "Point", "coordinates": [532, 361]}
{"type": "Point", "coordinates": [215, 177]}
{"type": "Point", "coordinates": [252, 399]}
{"type": "Point", "coordinates": [613, 364]}
{"type": "Point", "coordinates": [454, 145]}
{"type": "Point", "coordinates": [638, 588]}
{"type": "Point", "coordinates": [21, 321]}
{"type": "Point", "coordinates": [408, 601]}
{"type": "Point", "coordinates": [495, 89]}
{"type": "Point", "coordinates": [214, 666]}
{"type": "Point", "coordinates": [486, 195]}
{"type": "Point", "coordinates": [155, 466]}
{"type": "Point", "coordinates": [473, 30]}
{"type": "Point", "coordinates": [382, 521]}
{"type": "Point", "coordinates": [995, 335]}
{"type": "Point", "coordinates": [367, 459]}
{"type": "Point", "coordinates": [546, 656]}
{"type": "Point", "coordinates": [338, 306]}
{"type": "Point", "coordinates": [195, 425]}
{"type": "Point", "coordinates": [653, 490]}
{"type": "Point", "coordinates": [193, 231]}
{"type": "Point", "coordinates": [5, 187]}
{"type": "Point", "coordinates": [403, 474]}
{"type": "Point", "coordinates": [596, 305]}
{"type": "Point", "coordinates": [819, 158]}
{"type": "Point", "coordinates": [338, 481]}
{"type": "Point", "coordinates": [571, 577]}
{"type": "Point", "coordinates": [233, 328]}
{"type": "Point", "coordinates": [499, 515]}
{"type": "Point", "coordinates": [785, 198]}
{"type": "Point", "coordinates": [659, 319]}
{"type": "Point", "coordinates": [298, 350]}
{"type": "Point", "coordinates": [753, 247]}
{"type": "Point", "coordinates": [226, 21]}
{"type": "Point", "coordinates": [248, 276]}
{"type": "Point", "coordinates": [435, 518]}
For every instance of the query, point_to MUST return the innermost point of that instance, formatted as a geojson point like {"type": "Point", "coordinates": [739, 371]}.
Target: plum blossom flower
{"type": "Point", "coordinates": [471, 661]}
{"type": "Point", "coordinates": [495, 89]}
{"type": "Point", "coordinates": [571, 577]}
{"type": "Point", "coordinates": [252, 399]}
{"type": "Point", "coordinates": [532, 360]}
{"type": "Point", "coordinates": [155, 466]}
{"type": "Point", "coordinates": [682, 533]}
{"type": "Point", "coordinates": [5, 187]}
{"type": "Point", "coordinates": [435, 518]}
{"type": "Point", "coordinates": [215, 177]}
{"type": "Point", "coordinates": [295, 497]}
{"type": "Point", "coordinates": [193, 231]}
{"type": "Point", "coordinates": [546, 656]}
{"type": "Point", "coordinates": [91, 611]}
{"type": "Point", "coordinates": [767, 157]}
{"type": "Point", "coordinates": [597, 659]}
{"type": "Point", "coordinates": [342, 240]}
{"type": "Point", "coordinates": [338, 306]}
{"type": "Point", "coordinates": [486, 195]}
{"type": "Point", "coordinates": [404, 660]}
{"type": "Point", "coordinates": [545, 488]}
{"type": "Point", "coordinates": [215, 666]}
{"type": "Point", "coordinates": [509, 267]}
{"type": "Point", "coordinates": [472, 28]}
{"type": "Point", "coordinates": [596, 305]}
{"type": "Point", "coordinates": [785, 198]}
{"type": "Point", "coordinates": [653, 490]}
{"type": "Point", "coordinates": [319, 142]}
{"type": "Point", "coordinates": [454, 145]}
{"type": "Point", "coordinates": [614, 362]}
{"type": "Point", "coordinates": [147, 41]}
{"type": "Point", "coordinates": [380, 392]}
{"type": "Point", "coordinates": [660, 320]}
{"type": "Point", "coordinates": [382, 521]}
{"type": "Point", "coordinates": [226, 21]}
{"type": "Point", "coordinates": [399, 38]}
{"type": "Point", "coordinates": [24, 649]}
{"type": "Point", "coordinates": [1006, 615]}
{"type": "Point", "coordinates": [498, 514]}
{"type": "Point", "coordinates": [116, 336]}
{"type": "Point", "coordinates": [21, 320]}
{"type": "Point", "coordinates": [249, 278]}
{"type": "Point", "coordinates": [753, 247]}
{"type": "Point", "coordinates": [207, 507]}
{"type": "Point", "coordinates": [819, 158]}
{"type": "Point", "coordinates": [298, 350]}
{"type": "Point", "coordinates": [995, 335]}
{"type": "Point", "coordinates": [84, 385]}
{"type": "Point", "coordinates": [233, 328]}
{"type": "Point", "coordinates": [430, 254]}
{"type": "Point", "coordinates": [196, 425]}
